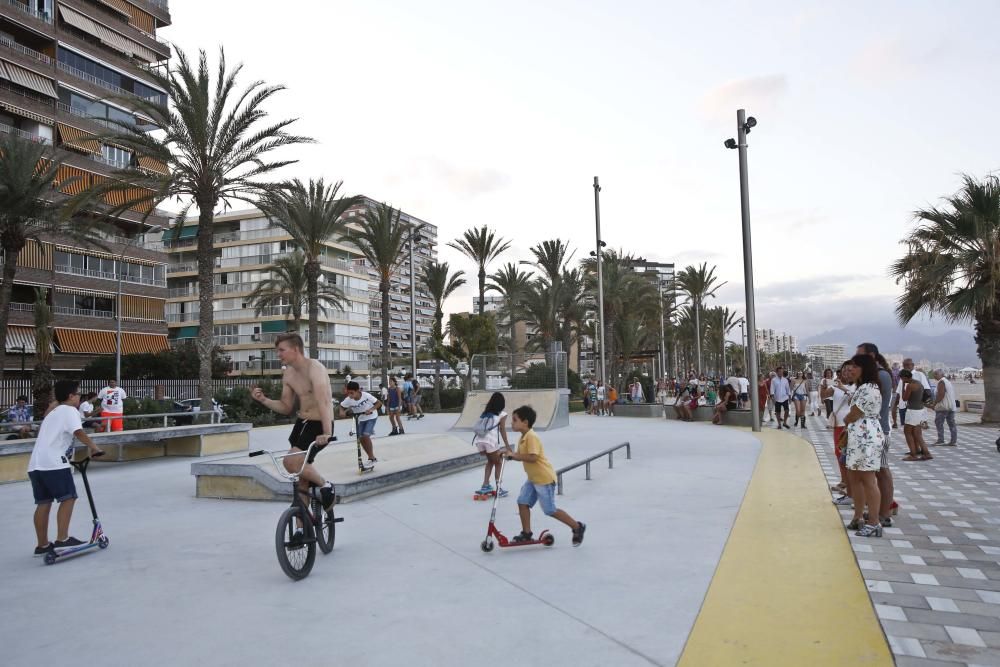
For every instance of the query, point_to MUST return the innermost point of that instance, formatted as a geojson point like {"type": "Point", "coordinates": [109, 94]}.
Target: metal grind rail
{"type": "Point", "coordinates": [610, 453]}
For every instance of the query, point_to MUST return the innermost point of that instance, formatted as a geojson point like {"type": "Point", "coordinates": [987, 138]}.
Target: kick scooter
{"type": "Point", "coordinates": [362, 468]}
{"type": "Point", "coordinates": [545, 537]}
{"type": "Point", "coordinates": [97, 536]}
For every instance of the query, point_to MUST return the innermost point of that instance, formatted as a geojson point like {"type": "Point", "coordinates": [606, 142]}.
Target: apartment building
{"type": "Point", "coordinates": [829, 355]}
{"type": "Point", "coordinates": [776, 342]}
{"type": "Point", "coordinates": [59, 62]}
{"type": "Point", "coordinates": [246, 246]}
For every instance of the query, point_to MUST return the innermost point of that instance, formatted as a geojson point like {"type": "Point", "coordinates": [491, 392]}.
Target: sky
{"type": "Point", "coordinates": [466, 113]}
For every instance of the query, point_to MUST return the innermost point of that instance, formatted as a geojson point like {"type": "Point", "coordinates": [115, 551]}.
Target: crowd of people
{"type": "Point", "coordinates": [600, 399]}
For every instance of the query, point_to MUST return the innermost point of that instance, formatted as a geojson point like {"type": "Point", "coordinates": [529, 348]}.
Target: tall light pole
{"type": "Point", "coordinates": [414, 238]}
{"type": "Point", "coordinates": [743, 342]}
{"type": "Point", "coordinates": [118, 321]}
{"type": "Point", "coordinates": [743, 127]}
{"type": "Point", "coordinates": [663, 338]}
{"type": "Point", "coordinates": [600, 278]}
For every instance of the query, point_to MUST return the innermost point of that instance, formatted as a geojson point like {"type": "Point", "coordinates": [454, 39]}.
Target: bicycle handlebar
{"type": "Point", "coordinates": [292, 476]}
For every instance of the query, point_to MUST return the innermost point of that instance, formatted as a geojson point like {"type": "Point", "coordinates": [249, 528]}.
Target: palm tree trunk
{"type": "Point", "coordinates": [988, 347]}
{"type": "Point", "coordinates": [312, 296]}
{"type": "Point", "coordinates": [206, 290]}
{"type": "Point", "coordinates": [383, 287]}
{"type": "Point", "coordinates": [697, 333]}
{"type": "Point", "coordinates": [6, 290]}
{"type": "Point", "coordinates": [482, 289]}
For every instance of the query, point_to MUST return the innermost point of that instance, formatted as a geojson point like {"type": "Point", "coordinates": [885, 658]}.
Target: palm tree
{"type": "Point", "coordinates": [288, 287]}
{"type": "Point", "coordinates": [441, 283]}
{"type": "Point", "coordinates": [719, 321]}
{"type": "Point", "coordinates": [698, 284]}
{"type": "Point", "coordinates": [381, 240]}
{"type": "Point", "coordinates": [313, 216]}
{"type": "Point", "coordinates": [472, 335]}
{"type": "Point", "coordinates": [481, 246]}
{"type": "Point", "coordinates": [42, 378]}
{"type": "Point", "coordinates": [215, 143]}
{"type": "Point", "coordinates": [28, 173]}
{"type": "Point", "coordinates": [952, 268]}
{"type": "Point", "coordinates": [513, 285]}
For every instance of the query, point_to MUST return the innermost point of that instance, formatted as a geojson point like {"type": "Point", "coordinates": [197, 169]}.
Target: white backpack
{"type": "Point", "coordinates": [484, 425]}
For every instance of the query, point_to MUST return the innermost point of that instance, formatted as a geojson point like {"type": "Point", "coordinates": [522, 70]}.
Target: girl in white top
{"type": "Point", "coordinates": [488, 442]}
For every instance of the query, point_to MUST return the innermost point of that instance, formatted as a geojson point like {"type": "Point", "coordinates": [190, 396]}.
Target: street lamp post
{"type": "Point", "coordinates": [600, 277]}
{"type": "Point", "coordinates": [743, 126]}
{"type": "Point", "coordinates": [663, 338]}
{"type": "Point", "coordinates": [118, 321]}
{"type": "Point", "coordinates": [414, 238]}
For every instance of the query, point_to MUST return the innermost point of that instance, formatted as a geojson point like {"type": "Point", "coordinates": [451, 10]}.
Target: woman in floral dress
{"type": "Point", "coordinates": [864, 442]}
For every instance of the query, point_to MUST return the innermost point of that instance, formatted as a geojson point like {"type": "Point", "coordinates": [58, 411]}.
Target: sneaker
{"type": "Point", "coordinates": [394, 432]}
{"type": "Point", "coordinates": [41, 551]}
{"type": "Point", "coordinates": [521, 538]}
{"type": "Point", "coordinates": [843, 500]}
{"type": "Point", "coordinates": [581, 528]}
{"type": "Point", "coordinates": [67, 543]}
{"type": "Point", "coordinates": [939, 442]}
{"type": "Point", "coordinates": [502, 492]}
{"type": "Point", "coordinates": [402, 432]}
{"type": "Point", "coordinates": [327, 496]}
{"type": "Point", "coordinates": [485, 489]}
{"type": "Point", "coordinates": [886, 521]}
{"type": "Point", "coordinates": [297, 538]}
{"type": "Point", "coordinates": [869, 530]}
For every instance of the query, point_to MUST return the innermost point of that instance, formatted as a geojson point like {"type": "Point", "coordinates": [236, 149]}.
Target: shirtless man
{"type": "Point", "coordinates": [304, 383]}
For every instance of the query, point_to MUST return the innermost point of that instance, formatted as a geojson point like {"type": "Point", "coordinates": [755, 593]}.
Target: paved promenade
{"type": "Point", "coordinates": [935, 575]}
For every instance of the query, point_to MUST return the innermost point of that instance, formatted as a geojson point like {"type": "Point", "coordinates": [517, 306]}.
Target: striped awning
{"type": "Point", "coordinates": [108, 36]}
{"type": "Point", "coordinates": [18, 336]}
{"type": "Point", "coordinates": [152, 164]}
{"type": "Point", "coordinates": [87, 251]}
{"type": "Point", "coordinates": [83, 292]}
{"type": "Point", "coordinates": [119, 5]}
{"type": "Point", "coordinates": [85, 341]}
{"type": "Point", "coordinates": [30, 79]}
{"type": "Point", "coordinates": [142, 343]}
{"type": "Point", "coordinates": [79, 139]}
{"type": "Point", "coordinates": [24, 113]}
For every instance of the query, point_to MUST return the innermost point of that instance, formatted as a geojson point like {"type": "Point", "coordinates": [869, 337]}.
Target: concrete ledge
{"type": "Point", "coordinates": [704, 413]}
{"type": "Point", "coordinates": [640, 410]}
{"type": "Point", "coordinates": [14, 467]}
{"type": "Point", "coordinates": [236, 481]}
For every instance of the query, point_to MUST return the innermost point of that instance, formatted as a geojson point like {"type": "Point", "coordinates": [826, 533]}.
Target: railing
{"type": "Point", "coordinates": [83, 113]}
{"type": "Point", "coordinates": [610, 453]}
{"type": "Point", "coordinates": [24, 50]}
{"type": "Point", "coordinates": [91, 273]}
{"type": "Point", "coordinates": [17, 132]}
{"type": "Point", "coordinates": [34, 97]}
{"type": "Point", "coordinates": [80, 74]}
{"type": "Point", "coordinates": [83, 312]}
{"type": "Point", "coordinates": [213, 415]}
{"type": "Point", "coordinates": [249, 313]}
{"type": "Point", "coordinates": [21, 307]}
{"type": "Point", "coordinates": [268, 339]}
{"type": "Point", "coordinates": [41, 16]}
{"type": "Point", "coordinates": [117, 164]}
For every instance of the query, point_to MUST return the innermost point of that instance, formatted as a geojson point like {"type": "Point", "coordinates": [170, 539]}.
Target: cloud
{"type": "Point", "coordinates": [464, 181]}
{"type": "Point", "coordinates": [760, 93]}
{"type": "Point", "coordinates": [892, 58]}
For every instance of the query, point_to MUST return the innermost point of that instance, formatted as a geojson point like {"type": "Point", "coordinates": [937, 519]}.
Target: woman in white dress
{"type": "Point", "coordinates": [864, 443]}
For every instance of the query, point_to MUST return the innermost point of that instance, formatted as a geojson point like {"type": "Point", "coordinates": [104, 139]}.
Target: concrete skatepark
{"type": "Point", "coordinates": [194, 579]}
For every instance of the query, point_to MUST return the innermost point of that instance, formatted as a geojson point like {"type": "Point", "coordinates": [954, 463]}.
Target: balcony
{"type": "Point", "coordinates": [7, 43]}
{"type": "Point", "coordinates": [21, 307]}
{"type": "Point", "coordinates": [90, 78]}
{"type": "Point", "coordinates": [20, 6]}
{"type": "Point", "coordinates": [269, 338]}
{"type": "Point", "coordinates": [250, 314]}
{"type": "Point", "coordinates": [90, 273]}
{"type": "Point", "coordinates": [82, 312]}
{"type": "Point", "coordinates": [28, 136]}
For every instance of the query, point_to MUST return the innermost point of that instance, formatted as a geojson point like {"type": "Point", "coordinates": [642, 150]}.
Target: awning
{"type": "Point", "coordinates": [274, 326]}
{"type": "Point", "coordinates": [18, 336]}
{"type": "Point", "coordinates": [85, 341]}
{"type": "Point", "coordinates": [141, 343]}
{"type": "Point", "coordinates": [118, 5]}
{"type": "Point", "coordinates": [152, 164]}
{"type": "Point", "coordinates": [84, 292]}
{"type": "Point", "coordinates": [85, 251]}
{"type": "Point", "coordinates": [186, 332]}
{"type": "Point", "coordinates": [108, 36]}
{"type": "Point", "coordinates": [31, 80]}
{"type": "Point", "coordinates": [24, 113]}
{"type": "Point", "coordinates": [78, 139]}
{"type": "Point", "coordinates": [186, 232]}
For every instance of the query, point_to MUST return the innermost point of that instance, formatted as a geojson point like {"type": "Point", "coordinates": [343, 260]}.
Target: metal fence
{"type": "Point", "coordinates": [11, 388]}
{"type": "Point", "coordinates": [541, 370]}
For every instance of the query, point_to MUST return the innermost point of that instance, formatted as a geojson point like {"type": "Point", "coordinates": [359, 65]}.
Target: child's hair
{"type": "Point", "coordinates": [352, 386]}
{"type": "Point", "coordinates": [495, 405]}
{"type": "Point", "coordinates": [64, 388]}
{"type": "Point", "coordinates": [22, 397]}
{"type": "Point", "coordinates": [526, 414]}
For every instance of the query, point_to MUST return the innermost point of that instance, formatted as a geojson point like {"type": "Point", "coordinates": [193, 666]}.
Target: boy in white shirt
{"type": "Point", "coordinates": [366, 406]}
{"type": "Point", "coordinates": [49, 467]}
{"type": "Point", "coordinates": [113, 406]}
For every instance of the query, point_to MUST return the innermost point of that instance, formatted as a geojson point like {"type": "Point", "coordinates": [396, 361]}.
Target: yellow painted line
{"type": "Point", "coordinates": [787, 590]}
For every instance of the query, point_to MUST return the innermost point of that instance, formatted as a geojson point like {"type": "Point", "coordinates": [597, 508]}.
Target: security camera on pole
{"type": "Point", "coordinates": [743, 127]}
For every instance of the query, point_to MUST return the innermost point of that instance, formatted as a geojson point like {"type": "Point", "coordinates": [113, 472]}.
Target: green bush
{"type": "Point", "coordinates": [240, 407]}
{"type": "Point", "coordinates": [450, 398]}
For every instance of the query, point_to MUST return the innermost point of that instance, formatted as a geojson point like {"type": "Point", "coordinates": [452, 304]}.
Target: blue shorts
{"type": "Point", "coordinates": [52, 485]}
{"type": "Point", "coordinates": [543, 493]}
{"type": "Point", "coordinates": [366, 427]}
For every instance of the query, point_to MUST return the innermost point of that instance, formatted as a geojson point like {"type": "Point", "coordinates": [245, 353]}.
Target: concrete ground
{"type": "Point", "coordinates": [187, 580]}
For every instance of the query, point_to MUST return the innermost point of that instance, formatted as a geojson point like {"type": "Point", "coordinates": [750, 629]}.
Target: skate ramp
{"type": "Point", "coordinates": [403, 460]}
{"type": "Point", "coordinates": [552, 406]}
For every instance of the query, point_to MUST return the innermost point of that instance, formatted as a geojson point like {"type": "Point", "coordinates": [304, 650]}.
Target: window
{"type": "Point", "coordinates": [118, 157]}
{"type": "Point", "coordinates": [110, 76]}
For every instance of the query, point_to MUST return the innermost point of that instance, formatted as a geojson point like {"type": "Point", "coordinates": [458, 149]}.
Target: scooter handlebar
{"type": "Point", "coordinates": [259, 452]}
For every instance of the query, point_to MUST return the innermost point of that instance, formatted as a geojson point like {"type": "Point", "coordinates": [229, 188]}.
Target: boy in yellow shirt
{"type": "Point", "coordinates": [541, 483]}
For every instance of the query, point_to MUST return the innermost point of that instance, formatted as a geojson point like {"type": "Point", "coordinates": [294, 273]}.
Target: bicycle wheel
{"type": "Point", "coordinates": [295, 553]}
{"type": "Point", "coordinates": [326, 529]}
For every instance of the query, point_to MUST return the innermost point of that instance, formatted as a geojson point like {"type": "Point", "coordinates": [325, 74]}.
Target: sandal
{"type": "Point", "coordinates": [910, 457]}
{"type": "Point", "coordinates": [926, 457]}
{"type": "Point", "coordinates": [855, 524]}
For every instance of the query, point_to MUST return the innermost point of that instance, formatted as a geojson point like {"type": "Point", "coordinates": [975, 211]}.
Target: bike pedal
{"type": "Point", "coordinates": [338, 519]}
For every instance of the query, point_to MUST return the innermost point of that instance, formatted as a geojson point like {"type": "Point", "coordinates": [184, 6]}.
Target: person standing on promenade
{"type": "Point", "coordinates": [865, 442]}
{"type": "Point", "coordinates": [112, 406]}
{"type": "Point", "coordinates": [884, 475]}
{"type": "Point", "coordinates": [602, 398]}
{"type": "Point", "coordinates": [944, 408]}
{"type": "Point", "coordinates": [781, 392]}
{"type": "Point", "coordinates": [912, 395]}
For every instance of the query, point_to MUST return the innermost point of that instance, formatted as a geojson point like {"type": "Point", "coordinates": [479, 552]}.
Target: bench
{"type": "Point", "coordinates": [704, 413]}
{"type": "Point", "coordinates": [194, 440]}
{"type": "Point", "coordinates": [638, 410]}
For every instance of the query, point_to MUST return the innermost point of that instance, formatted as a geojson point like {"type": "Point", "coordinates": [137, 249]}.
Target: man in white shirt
{"type": "Point", "coordinates": [49, 467]}
{"type": "Point", "coordinates": [602, 398]}
{"type": "Point", "coordinates": [898, 395]}
{"type": "Point", "coordinates": [365, 406]}
{"type": "Point", "coordinates": [742, 387]}
{"type": "Point", "coordinates": [112, 406]}
{"type": "Point", "coordinates": [944, 408]}
{"type": "Point", "coordinates": [781, 391]}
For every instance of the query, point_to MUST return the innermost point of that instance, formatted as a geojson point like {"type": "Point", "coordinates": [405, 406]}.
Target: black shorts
{"type": "Point", "coordinates": [52, 485]}
{"type": "Point", "coordinates": [304, 433]}
{"type": "Point", "coordinates": [781, 404]}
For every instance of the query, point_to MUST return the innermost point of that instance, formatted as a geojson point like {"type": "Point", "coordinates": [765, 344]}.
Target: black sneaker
{"type": "Point", "coordinates": [523, 537]}
{"type": "Point", "coordinates": [67, 543]}
{"type": "Point", "coordinates": [394, 432]}
{"type": "Point", "coordinates": [41, 551]}
{"type": "Point", "coordinates": [581, 527]}
{"type": "Point", "coordinates": [326, 493]}
{"type": "Point", "coordinates": [298, 537]}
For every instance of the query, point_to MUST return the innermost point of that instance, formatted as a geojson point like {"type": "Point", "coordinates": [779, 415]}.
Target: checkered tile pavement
{"type": "Point", "coordinates": [934, 577]}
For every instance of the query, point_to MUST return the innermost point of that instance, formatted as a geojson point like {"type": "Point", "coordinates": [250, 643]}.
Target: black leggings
{"type": "Point", "coordinates": [828, 402]}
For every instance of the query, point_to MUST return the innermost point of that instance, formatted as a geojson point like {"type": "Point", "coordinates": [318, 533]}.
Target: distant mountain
{"type": "Point", "coordinates": [953, 348]}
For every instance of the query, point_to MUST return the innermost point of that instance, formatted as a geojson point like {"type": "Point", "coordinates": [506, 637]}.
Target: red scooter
{"type": "Point", "coordinates": [545, 537]}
